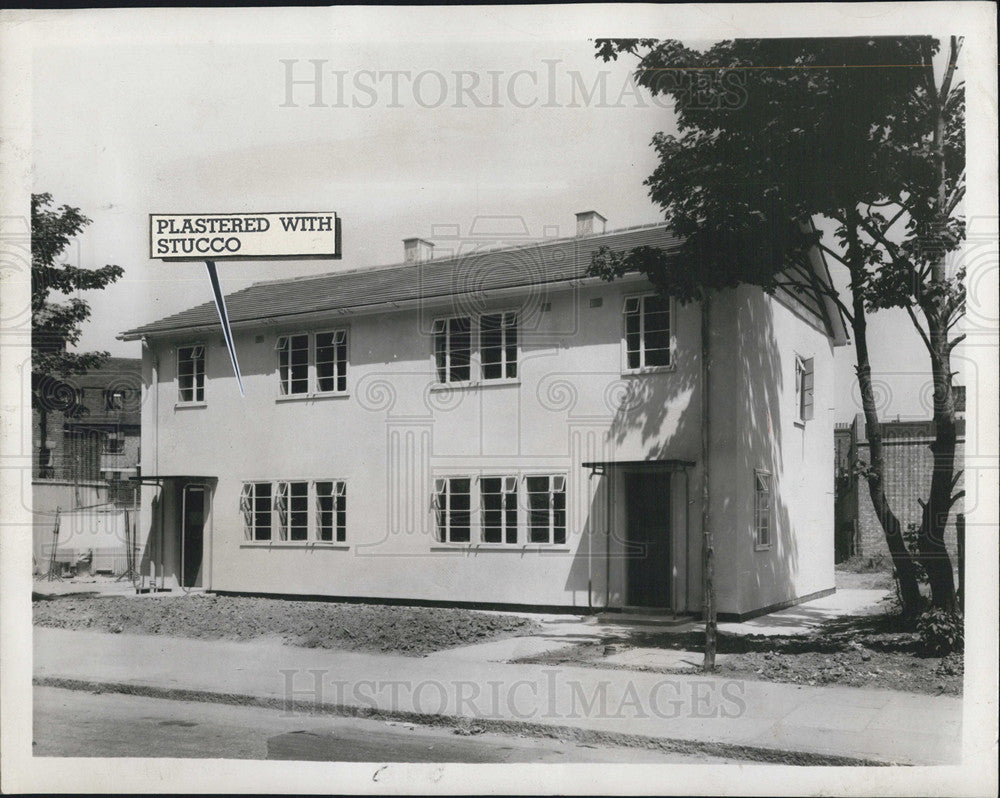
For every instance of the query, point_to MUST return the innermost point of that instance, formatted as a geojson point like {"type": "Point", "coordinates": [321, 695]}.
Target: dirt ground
{"type": "Point", "coordinates": [413, 631]}
{"type": "Point", "coordinates": [856, 651]}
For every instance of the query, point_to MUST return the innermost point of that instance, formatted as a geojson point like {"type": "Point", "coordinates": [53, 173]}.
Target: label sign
{"type": "Point", "coordinates": [243, 236]}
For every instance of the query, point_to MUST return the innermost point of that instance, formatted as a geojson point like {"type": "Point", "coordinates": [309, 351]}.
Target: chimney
{"type": "Point", "coordinates": [417, 250]}
{"type": "Point", "coordinates": [589, 223]}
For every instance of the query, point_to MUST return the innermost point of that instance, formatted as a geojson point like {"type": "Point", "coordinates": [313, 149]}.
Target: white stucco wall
{"type": "Point", "coordinates": [396, 431]}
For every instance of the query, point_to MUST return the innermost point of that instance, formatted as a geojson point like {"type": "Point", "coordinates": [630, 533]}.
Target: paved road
{"type": "Point", "coordinates": [75, 723]}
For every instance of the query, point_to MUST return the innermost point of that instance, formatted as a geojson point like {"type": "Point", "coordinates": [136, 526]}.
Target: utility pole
{"type": "Point", "coordinates": [707, 551]}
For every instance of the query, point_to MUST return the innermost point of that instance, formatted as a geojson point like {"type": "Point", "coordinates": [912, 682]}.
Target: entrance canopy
{"type": "Point", "coordinates": [156, 479]}
{"type": "Point", "coordinates": [600, 466]}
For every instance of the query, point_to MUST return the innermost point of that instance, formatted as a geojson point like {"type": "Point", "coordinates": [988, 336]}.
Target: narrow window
{"type": "Point", "coordinates": [498, 345]}
{"type": "Point", "coordinates": [114, 444]}
{"type": "Point", "coordinates": [298, 510]}
{"type": "Point", "coordinates": [499, 509]}
{"type": "Point", "coordinates": [453, 504]}
{"type": "Point", "coordinates": [647, 332]}
{"type": "Point", "coordinates": [255, 504]}
{"type": "Point", "coordinates": [331, 361]}
{"type": "Point", "coordinates": [452, 349]}
{"type": "Point", "coordinates": [546, 509]}
{"type": "Point", "coordinates": [191, 373]}
{"type": "Point", "coordinates": [762, 509]}
{"type": "Point", "coordinates": [293, 363]}
{"type": "Point", "coordinates": [331, 509]}
{"type": "Point", "coordinates": [114, 400]}
{"type": "Point", "coordinates": [804, 387]}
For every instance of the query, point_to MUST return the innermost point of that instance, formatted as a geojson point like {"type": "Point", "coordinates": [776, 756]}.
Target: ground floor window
{"type": "Point", "coordinates": [762, 509]}
{"type": "Point", "coordinates": [510, 509]}
{"type": "Point", "coordinates": [296, 510]}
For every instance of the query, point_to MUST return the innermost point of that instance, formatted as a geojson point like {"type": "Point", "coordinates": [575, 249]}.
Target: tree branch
{"type": "Point", "coordinates": [916, 323]}
{"type": "Point", "coordinates": [952, 344]}
{"type": "Point", "coordinates": [955, 47]}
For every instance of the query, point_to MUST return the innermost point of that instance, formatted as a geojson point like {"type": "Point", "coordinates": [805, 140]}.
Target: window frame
{"type": "Point", "coordinates": [505, 364]}
{"type": "Point", "coordinates": [195, 400]}
{"type": "Point", "coordinates": [114, 399]}
{"type": "Point", "coordinates": [312, 390]}
{"type": "Point", "coordinates": [763, 512]}
{"type": "Point", "coordinates": [642, 368]}
{"type": "Point", "coordinates": [473, 351]}
{"type": "Point", "coordinates": [481, 510]}
{"type": "Point", "coordinates": [805, 397]}
{"type": "Point", "coordinates": [443, 533]}
{"type": "Point", "coordinates": [280, 513]}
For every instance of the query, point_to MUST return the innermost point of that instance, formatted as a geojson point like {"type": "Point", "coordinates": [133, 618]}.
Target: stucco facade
{"type": "Point", "coordinates": [396, 430]}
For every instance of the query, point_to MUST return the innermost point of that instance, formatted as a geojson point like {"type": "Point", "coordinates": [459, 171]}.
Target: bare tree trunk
{"type": "Point", "coordinates": [933, 554]}
{"type": "Point", "coordinates": [708, 551]}
{"type": "Point", "coordinates": [905, 571]}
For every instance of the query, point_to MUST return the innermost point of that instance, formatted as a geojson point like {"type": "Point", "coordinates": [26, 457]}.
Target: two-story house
{"type": "Point", "coordinates": [493, 428]}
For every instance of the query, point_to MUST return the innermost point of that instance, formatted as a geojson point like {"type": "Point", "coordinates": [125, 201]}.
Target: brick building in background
{"type": "Point", "coordinates": [908, 467]}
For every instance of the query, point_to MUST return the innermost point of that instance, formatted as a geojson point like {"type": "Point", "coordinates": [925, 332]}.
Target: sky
{"type": "Point", "coordinates": [206, 123]}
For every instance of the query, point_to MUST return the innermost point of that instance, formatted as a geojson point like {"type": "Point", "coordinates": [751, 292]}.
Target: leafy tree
{"type": "Point", "coordinates": [865, 132]}
{"type": "Point", "coordinates": [56, 325]}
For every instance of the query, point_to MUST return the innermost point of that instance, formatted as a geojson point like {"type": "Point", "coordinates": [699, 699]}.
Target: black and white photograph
{"type": "Point", "coordinates": [391, 394]}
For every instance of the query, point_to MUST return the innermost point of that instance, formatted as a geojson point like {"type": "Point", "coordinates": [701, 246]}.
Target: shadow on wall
{"type": "Point", "coordinates": [749, 410]}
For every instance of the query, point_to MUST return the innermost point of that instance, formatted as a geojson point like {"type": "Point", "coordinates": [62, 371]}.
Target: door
{"type": "Point", "coordinates": [193, 535]}
{"type": "Point", "coordinates": [647, 498]}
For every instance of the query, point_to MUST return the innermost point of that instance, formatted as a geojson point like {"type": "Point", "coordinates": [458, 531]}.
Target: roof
{"type": "Point", "coordinates": [534, 264]}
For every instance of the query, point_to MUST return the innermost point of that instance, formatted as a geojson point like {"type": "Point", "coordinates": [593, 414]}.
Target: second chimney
{"type": "Point", "coordinates": [589, 223]}
{"type": "Point", "coordinates": [417, 250]}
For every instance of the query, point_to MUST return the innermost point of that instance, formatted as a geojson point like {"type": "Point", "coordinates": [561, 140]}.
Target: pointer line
{"type": "Point", "coordinates": [220, 304]}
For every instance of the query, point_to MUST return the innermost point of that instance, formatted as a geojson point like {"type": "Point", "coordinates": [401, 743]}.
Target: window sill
{"type": "Point", "coordinates": [759, 547]}
{"type": "Point", "coordinates": [648, 370]}
{"type": "Point", "coordinates": [305, 397]}
{"type": "Point", "coordinates": [189, 405]}
{"type": "Point", "coordinates": [293, 544]}
{"type": "Point", "coordinates": [800, 424]}
{"type": "Point", "coordinates": [474, 384]}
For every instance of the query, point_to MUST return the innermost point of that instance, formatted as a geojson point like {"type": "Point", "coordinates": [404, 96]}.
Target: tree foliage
{"type": "Point", "coordinates": [772, 134]}
{"type": "Point", "coordinates": [57, 323]}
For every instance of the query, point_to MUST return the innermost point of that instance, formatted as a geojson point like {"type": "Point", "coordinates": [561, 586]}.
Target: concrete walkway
{"type": "Point", "coordinates": [716, 715]}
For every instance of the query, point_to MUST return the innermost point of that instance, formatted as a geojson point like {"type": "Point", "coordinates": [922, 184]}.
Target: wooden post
{"type": "Point", "coordinates": [708, 553]}
{"type": "Point", "coordinates": [960, 537]}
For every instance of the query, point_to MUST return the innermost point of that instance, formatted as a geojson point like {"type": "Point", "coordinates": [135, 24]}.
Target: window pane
{"type": "Point", "coordinates": [460, 347]}
{"type": "Point", "coordinates": [459, 515]}
{"type": "Point", "coordinates": [299, 358]}
{"type": "Point", "coordinates": [492, 502]}
{"type": "Point", "coordinates": [441, 353]}
{"type": "Point", "coordinates": [298, 511]}
{"type": "Point", "coordinates": [262, 510]}
{"type": "Point", "coordinates": [324, 503]}
{"type": "Point", "coordinates": [491, 346]}
{"type": "Point", "coordinates": [510, 341]}
{"type": "Point", "coordinates": [559, 516]}
{"type": "Point", "coordinates": [632, 339]}
{"type": "Point", "coordinates": [538, 509]}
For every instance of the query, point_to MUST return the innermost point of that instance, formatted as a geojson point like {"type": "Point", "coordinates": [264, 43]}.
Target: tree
{"type": "Point", "coordinates": [866, 132]}
{"type": "Point", "coordinates": [56, 325]}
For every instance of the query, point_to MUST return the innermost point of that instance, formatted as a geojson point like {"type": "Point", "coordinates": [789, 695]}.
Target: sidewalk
{"type": "Point", "coordinates": [707, 713]}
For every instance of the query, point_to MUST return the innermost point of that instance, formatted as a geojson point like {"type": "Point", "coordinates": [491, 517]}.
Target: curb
{"type": "Point", "coordinates": [750, 753]}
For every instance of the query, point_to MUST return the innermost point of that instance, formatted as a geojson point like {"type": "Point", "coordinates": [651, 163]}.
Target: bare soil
{"type": "Point", "coordinates": [413, 631]}
{"type": "Point", "coordinates": [856, 651]}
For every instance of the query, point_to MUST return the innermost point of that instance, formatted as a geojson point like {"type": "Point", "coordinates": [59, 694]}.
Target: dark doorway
{"type": "Point", "coordinates": [647, 497]}
{"type": "Point", "coordinates": [193, 534]}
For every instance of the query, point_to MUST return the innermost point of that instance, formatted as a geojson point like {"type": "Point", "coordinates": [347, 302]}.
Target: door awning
{"type": "Point", "coordinates": [600, 466]}
{"type": "Point", "coordinates": [156, 479]}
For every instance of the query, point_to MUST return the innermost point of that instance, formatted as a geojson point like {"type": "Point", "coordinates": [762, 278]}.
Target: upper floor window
{"type": "Point", "coordinates": [114, 444]}
{"type": "Point", "coordinates": [453, 348]}
{"type": "Point", "coordinates": [762, 509]}
{"type": "Point", "coordinates": [803, 388]}
{"type": "Point", "coordinates": [498, 345]}
{"type": "Point", "coordinates": [191, 373]}
{"type": "Point", "coordinates": [647, 332]}
{"type": "Point", "coordinates": [312, 363]}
